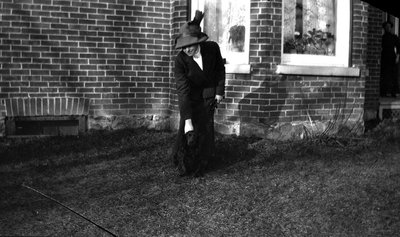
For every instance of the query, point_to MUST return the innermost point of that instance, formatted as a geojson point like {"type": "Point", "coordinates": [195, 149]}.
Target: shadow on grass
{"type": "Point", "coordinates": [101, 145]}
{"type": "Point", "coordinates": [231, 150]}
{"type": "Point", "coordinates": [148, 149]}
{"type": "Point", "coordinates": [124, 180]}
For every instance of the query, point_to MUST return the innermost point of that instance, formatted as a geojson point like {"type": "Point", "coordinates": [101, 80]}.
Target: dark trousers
{"type": "Point", "coordinates": [209, 126]}
{"type": "Point", "coordinates": [389, 83]}
{"type": "Point", "coordinates": [203, 122]}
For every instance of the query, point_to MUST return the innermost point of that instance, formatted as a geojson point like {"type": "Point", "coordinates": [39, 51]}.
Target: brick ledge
{"type": "Point", "coordinates": [20, 107]}
{"type": "Point", "coordinates": [318, 70]}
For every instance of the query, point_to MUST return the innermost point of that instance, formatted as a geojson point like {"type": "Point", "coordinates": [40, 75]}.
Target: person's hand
{"type": "Point", "coordinates": [188, 125]}
{"type": "Point", "coordinates": [218, 98]}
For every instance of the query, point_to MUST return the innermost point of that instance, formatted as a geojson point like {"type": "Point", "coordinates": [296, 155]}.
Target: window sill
{"type": "Point", "coordinates": [238, 68]}
{"type": "Point", "coordinates": [318, 70]}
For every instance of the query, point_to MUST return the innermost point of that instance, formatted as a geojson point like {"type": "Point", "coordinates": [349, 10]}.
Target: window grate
{"type": "Point", "coordinates": [46, 125]}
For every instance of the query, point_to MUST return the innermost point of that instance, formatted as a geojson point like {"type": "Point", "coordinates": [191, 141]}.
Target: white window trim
{"type": "Point", "coordinates": [239, 67]}
{"type": "Point", "coordinates": [395, 21]}
{"type": "Point", "coordinates": [318, 70]}
{"type": "Point", "coordinates": [342, 57]}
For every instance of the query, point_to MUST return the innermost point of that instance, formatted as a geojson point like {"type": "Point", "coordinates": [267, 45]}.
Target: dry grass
{"type": "Point", "coordinates": [124, 181]}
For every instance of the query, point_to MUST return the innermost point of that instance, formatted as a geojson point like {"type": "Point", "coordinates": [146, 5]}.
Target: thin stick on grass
{"type": "Point", "coordinates": [68, 208]}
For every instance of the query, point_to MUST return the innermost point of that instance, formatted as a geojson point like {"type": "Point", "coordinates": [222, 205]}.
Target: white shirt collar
{"type": "Point", "coordinates": [198, 58]}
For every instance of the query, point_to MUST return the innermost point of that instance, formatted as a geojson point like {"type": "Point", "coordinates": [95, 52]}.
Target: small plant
{"type": "Point", "coordinates": [237, 37]}
{"type": "Point", "coordinates": [316, 42]}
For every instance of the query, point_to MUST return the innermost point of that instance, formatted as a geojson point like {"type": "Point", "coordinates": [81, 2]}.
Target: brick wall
{"type": "Point", "coordinates": [268, 99]}
{"type": "Point", "coordinates": [28, 107]}
{"type": "Point", "coordinates": [179, 17]}
{"type": "Point", "coordinates": [119, 54]}
{"type": "Point", "coordinates": [367, 35]}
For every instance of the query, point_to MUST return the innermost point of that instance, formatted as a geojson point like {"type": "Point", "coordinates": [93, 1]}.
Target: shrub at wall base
{"type": "Point", "coordinates": [128, 122]}
{"type": "Point", "coordinates": [292, 131]}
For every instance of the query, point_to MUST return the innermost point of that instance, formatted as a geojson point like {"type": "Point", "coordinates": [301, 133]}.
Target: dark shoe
{"type": "Point", "coordinates": [199, 172]}
{"type": "Point", "coordinates": [181, 170]}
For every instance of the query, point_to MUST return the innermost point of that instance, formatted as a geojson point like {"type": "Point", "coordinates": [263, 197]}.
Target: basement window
{"type": "Point", "coordinates": [46, 126]}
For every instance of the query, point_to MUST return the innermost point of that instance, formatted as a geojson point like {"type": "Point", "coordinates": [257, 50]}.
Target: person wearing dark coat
{"type": "Point", "coordinates": [200, 85]}
{"type": "Point", "coordinates": [389, 58]}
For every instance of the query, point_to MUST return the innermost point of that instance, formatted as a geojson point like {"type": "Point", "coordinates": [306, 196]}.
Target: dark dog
{"type": "Point", "coordinates": [188, 158]}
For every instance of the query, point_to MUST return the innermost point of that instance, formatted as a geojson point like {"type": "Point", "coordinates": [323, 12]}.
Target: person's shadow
{"type": "Point", "coordinates": [231, 149]}
{"type": "Point", "coordinates": [260, 108]}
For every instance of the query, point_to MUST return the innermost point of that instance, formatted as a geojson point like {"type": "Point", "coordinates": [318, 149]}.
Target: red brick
{"type": "Point", "coordinates": [134, 60]}
{"type": "Point", "coordinates": [32, 111]}
{"type": "Point", "coordinates": [51, 106]}
{"type": "Point", "coordinates": [39, 106]}
{"type": "Point", "coordinates": [45, 108]}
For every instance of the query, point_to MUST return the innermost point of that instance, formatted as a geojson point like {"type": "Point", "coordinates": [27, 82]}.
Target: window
{"type": "Point", "coordinates": [316, 32]}
{"type": "Point", "coordinates": [227, 22]}
{"type": "Point", "coordinates": [394, 20]}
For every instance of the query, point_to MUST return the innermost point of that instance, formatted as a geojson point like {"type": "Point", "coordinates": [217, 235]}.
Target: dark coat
{"type": "Point", "coordinates": [389, 83]}
{"type": "Point", "coordinates": [196, 91]}
{"type": "Point", "coordinates": [193, 84]}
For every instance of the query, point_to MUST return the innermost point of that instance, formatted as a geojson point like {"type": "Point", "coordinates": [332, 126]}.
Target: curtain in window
{"type": "Point", "coordinates": [213, 21]}
{"type": "Point", "coordinates": [310, 27]}
{"type": "Point", "coordinates": [225, 23]}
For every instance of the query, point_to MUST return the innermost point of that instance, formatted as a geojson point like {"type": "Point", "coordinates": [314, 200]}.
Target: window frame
{"type": "Point", "coordinates": [343, 42]}
{"type": "Point", "coordinates": [241, 67]}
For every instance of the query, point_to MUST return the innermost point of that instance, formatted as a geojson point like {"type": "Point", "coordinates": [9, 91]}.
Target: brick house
{"type": "Point", "coordinates": [69, 65]}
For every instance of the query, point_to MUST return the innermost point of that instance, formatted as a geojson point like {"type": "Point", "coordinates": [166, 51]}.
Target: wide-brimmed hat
{"type": "Point", "coordinates": [190, 33]}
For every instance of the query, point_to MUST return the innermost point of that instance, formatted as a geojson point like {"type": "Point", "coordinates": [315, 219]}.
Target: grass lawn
{"type": "Point", "coordinates": [124, 182]}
